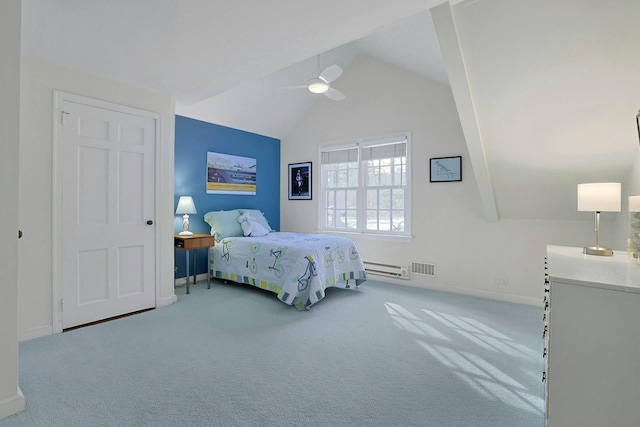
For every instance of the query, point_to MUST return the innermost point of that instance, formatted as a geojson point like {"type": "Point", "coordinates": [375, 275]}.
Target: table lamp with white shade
{"type": "Point", "coordinates": [185, 207]}
{"type": "Point", "coordinates": [599, 197]}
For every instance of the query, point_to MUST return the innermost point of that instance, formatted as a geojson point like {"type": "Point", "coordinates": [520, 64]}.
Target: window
{"type": "Point", "coordinates": [365, 186]}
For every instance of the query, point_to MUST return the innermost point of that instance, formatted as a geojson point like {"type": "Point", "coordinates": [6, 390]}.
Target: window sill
{"type": "Point", "coordinates": [370, 236]}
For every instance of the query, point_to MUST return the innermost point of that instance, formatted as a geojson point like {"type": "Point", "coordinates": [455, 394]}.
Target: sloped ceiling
{"type": "Point", "coordinates": [554, 84]}
{"type": "Point", "coordinates": [196, 49]}
{"type": "Point", "coordinates": [271, 105]}
{"type": "Point", "coordinates": [555, 87]}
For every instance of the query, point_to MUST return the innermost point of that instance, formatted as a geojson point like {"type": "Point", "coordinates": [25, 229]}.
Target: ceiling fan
{"type": "Point", "coordinates": [322, 83]}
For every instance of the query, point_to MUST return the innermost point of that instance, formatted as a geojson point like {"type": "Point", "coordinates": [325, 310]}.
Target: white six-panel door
{"type": "Point", "coordinates": [106, 164]}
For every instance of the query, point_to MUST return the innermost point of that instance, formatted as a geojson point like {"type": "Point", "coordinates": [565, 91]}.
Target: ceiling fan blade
{"type": "Point", "coordinates": [292, 87]}
{"type": "Point", "coordinates": [335, 94]}
{"type": "Point", "coordinates": [331, 73]}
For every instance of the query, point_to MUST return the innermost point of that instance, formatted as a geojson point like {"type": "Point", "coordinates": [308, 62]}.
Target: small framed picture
{"type": "Point", "coordinates": [300, 181]}
{"type": "Point", "coordinates": [446, 169]}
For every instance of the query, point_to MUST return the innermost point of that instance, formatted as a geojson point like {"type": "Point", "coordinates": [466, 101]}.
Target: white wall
{"type": "Point", "coordinates": [39, 80]}
{"type": "Point", "coordinates": [11, 399]}
{"type": "Point", "coordinates": [629, 188]}
{"type": "Point", "coordinates": [448, 226]}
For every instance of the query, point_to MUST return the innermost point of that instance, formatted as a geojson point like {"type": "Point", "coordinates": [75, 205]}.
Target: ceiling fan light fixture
{"type": "Point", "coordinates": [318, 86]}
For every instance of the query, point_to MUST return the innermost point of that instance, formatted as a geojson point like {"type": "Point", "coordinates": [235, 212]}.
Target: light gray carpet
{"type": "Point", "coordinates": [383, 355]}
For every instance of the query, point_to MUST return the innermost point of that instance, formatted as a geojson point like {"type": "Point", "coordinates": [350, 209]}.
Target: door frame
{"type": "Point", "coordinates": [59, 97]}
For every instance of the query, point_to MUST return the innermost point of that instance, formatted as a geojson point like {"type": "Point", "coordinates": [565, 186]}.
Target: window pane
{"type": "Point", "coordinates": [353, 177]}
{"type": "Point", "coordinates": [352, 199]}
{"type": "Point", "coordinates": [372, 219]}
{"type": "Point", "coordinates": [372, 175]}
{"type": "Point", "coordinates": [398, 174]}
{"type": "Point", "coordinates": [385, 175]}
{"type": "Point", "coordinates": [340, 218]}
{"type": "Point", "coordinates": [352, 219]}
{"type": "Point", "coordinates": [398, 220]}
{"type": "Point", "coordinates": [372, 199]}
{"type": "Point", "coordinates": [384, 221]}
{"type": "Point", "coordinates": [329, 213]}
{"type": "Point", "coordinates": [398, 198]}
{"type": "Point", "coordinates": [342, 178]}
{"type": "Point", "coordinates": [340, 199]}
{"type": "Point", "coordinates": [331, 178]}
{"type": "Point", "coordinates": [384, 202]}
{"type": "Point", "coordinates": [330, 218]}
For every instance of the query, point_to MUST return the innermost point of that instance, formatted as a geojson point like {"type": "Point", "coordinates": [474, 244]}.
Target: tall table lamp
{"type": "Point", "coordinates": [599, 197]}
{"type": "Point", "coordinates": [185, 207]}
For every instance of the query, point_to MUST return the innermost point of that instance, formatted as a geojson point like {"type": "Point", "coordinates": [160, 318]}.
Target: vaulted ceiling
{"type": "Point", "coordinates": [552, 86]}
{"type": "Point", "coordinates": [228, 60]}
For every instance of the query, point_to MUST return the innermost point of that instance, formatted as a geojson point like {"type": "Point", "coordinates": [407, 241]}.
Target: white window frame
{"type": "Point", "coordinates": [360, 230]}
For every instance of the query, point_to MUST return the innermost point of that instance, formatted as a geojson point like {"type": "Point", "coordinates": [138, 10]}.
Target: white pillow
{"type": "Point", "coordinates": [251, 227]}
{"type": "Point", "coordinates": [258, 217]}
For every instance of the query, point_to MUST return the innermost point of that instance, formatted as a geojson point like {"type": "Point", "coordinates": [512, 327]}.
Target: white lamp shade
{"type": "Point", "coordinates": [634, 203]}
{"type": "Point", "coordinates": [599, 197]}
{"type": "Point", "coordinates": [186, 206]}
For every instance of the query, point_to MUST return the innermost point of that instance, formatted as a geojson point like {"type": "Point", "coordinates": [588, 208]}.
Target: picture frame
{"type": "Point", "coordinates": [300, 181]}
{"type": "Point", "coordinates": [638, 123]}
{"type": "Point", "coordinates": [445, 169]}
{"type": "Point", "coordinates": [230, 174]}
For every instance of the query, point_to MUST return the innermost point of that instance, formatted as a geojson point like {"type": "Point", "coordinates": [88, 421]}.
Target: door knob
{"type": "Point", "coordinates": [19, 234]}
{"type": "Point", "coordinates": [149, 222]}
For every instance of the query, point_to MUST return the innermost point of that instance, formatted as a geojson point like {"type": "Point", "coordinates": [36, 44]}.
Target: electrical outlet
{"type": "Point", "coordinates": [502, 281]}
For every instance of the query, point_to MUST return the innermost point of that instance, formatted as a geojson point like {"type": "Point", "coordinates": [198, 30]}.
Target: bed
{"type": "Point", "coordinates": [297, 267]}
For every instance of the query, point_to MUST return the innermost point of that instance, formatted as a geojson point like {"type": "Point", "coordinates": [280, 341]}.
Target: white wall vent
{"type": "Point", "coordinates": [395, 271]}
{"type": "Point", "coordinates": [424, 269]}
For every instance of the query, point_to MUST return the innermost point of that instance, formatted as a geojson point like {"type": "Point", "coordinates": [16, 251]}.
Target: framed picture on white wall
{"type": "Point", "coordinates": [445, 169]}
{"type": "Point", "coordinates": [300, 181]}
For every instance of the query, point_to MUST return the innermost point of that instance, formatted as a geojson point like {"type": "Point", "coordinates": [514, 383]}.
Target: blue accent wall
{"type": "Point", "coordinates": [193, 139]}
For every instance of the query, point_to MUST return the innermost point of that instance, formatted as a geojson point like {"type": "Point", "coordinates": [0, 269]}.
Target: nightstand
{"type": "Point", "coordinates": [191, 243]}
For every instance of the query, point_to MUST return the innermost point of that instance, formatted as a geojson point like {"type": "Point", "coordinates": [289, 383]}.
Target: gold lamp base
{"type": "Point", "coordinates": [596, 250]}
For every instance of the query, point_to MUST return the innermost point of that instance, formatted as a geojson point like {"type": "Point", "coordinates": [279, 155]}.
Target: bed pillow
{"type": "Point", "coordinates": [224, 224]}
{"type": "Point", "coordinates": [251, 227]}
{"type": "Point", "coordinates": [258, 216]}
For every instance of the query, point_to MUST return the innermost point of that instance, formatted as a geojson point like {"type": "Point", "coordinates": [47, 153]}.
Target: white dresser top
{"type": "Point", "coordinates": [570, 265]}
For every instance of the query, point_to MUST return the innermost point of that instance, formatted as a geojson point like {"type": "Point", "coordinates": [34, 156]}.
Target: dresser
{"type": "Point", "coordinates": [592, 339]}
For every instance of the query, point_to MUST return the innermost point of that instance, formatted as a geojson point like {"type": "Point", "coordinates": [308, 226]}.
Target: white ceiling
{"type": "Point", "coordinates": [227, 62]}
{"type": "Point", "coordinates": [271, 105]}
{"type": "Point", "coordinates": [555, 84]}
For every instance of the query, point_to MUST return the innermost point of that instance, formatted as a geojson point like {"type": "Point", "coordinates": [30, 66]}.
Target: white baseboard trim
{"type": "Point", "coordinates": [39, 332]}
{"type": "Point", "coordinates": [163, 302]}
{"type": "Point", "coordinates": [12, 405]}
{"type": "Point", "coordinates": [480, 293]}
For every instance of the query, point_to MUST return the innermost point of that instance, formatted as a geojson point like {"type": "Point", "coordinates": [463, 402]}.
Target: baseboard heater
{"type": "Point", "coordinates": [388, 270]}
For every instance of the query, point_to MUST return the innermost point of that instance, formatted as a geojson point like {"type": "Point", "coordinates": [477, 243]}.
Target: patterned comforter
{"type": "Point", "coordinates": [297, 267]}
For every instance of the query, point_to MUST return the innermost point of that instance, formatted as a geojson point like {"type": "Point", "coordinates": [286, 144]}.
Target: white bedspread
{"type": "Point", "coordinates": [297, 267]}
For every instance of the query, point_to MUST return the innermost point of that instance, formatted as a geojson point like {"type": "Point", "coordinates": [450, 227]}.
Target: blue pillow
{"type": "Point", "coordinates": [224, 224]}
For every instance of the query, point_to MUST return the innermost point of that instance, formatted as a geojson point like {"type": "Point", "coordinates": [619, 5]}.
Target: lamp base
{"type": "Point", "coordinates": [185, 233]}
{"type": "Point", "coordinates": [596, 250]}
